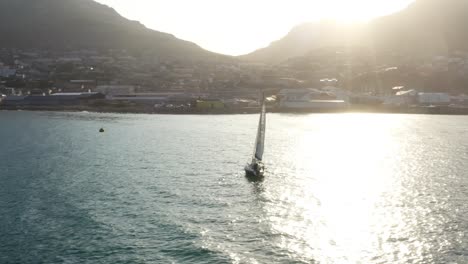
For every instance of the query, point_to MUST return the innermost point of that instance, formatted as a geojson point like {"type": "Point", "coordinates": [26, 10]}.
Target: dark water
{"type": "Point", "coordinates": [351, 188]}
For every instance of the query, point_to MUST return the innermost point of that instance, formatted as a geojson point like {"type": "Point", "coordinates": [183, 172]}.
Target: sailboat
{"type": "Point", "coordinates": [256, 167]}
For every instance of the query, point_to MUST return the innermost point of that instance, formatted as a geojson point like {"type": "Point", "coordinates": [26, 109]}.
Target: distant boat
{"type": "Point", "coordinates": [256, 167]}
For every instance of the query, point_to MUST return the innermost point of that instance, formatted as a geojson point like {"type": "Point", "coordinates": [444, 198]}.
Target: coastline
{"type": "Point", "coordinates": [439, 110]}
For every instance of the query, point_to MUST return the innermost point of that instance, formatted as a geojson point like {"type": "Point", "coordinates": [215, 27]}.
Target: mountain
{"type": "Point", "coordinates": [70, 24]}
{"type": "Point", "coordinates": [426, 27]}
{"type": "Point", "coordinates": [309, 36]}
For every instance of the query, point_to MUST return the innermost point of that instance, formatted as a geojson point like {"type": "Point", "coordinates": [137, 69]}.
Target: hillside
{"type": "Point", "coordinates": [70, 24]}
{"type": "Point", "coordinates": [309, 36]}
{"type": "Point", "coordinates": [426, 27]}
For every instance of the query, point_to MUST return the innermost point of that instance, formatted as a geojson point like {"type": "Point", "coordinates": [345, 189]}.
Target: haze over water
{"type": "Point", "coordinates": [343, 188]}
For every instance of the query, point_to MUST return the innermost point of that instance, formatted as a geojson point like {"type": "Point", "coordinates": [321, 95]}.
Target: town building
{"type": "Point", "coordinates": [309, 98]}
{"type": "Point", "coordinates": [210, 104]}
{"type": "Point", "coordinates": [58, 99]}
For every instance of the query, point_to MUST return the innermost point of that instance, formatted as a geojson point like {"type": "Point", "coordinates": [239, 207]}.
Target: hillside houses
{"type": "Point", "coordinates": [85, 70]}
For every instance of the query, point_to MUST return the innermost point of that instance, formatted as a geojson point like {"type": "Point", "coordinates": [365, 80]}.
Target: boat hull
{"type": "Point", "coordinates": [251, 172]}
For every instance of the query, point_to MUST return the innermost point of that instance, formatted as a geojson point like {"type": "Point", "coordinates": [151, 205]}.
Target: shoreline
{"type": "Point", "coordinates": [442, 110]}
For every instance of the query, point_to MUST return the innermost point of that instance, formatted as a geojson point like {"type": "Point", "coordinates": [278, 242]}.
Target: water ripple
{"type": "Point", "coordinates": [351, 188]}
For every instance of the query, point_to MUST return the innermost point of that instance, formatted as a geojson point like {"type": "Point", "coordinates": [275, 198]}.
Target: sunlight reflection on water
{"type": "Point", "coordinates": [347, 192]}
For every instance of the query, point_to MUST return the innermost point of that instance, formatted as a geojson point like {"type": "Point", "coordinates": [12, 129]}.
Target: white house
{"type": "Point", "coordinates": [408, 97]}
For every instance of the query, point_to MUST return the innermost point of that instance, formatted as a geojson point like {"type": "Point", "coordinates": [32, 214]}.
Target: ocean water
{"type": "Point", "coordinates": [339, 188]}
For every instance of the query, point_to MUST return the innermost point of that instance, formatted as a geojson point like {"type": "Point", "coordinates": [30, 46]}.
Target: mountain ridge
{"type": "Point", "coordinates": [74, 24]}
{"type": "Point", "coordinates": [406, 31]}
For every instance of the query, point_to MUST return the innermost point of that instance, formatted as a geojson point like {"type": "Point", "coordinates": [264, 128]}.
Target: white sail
{"type": "Point", "coordinates": [260, 141]}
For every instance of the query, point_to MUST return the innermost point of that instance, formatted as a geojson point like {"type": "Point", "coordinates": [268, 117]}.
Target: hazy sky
{"type": "Point", "coordinates": [240, 26]}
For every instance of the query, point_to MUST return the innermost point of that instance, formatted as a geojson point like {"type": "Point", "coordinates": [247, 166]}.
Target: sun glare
{"type": "Point", "coordinates": [357, 10]}
{"type": "Point", "coordinates": [239, 27]}
{"type": "Point", "coordinates": [342, 173]}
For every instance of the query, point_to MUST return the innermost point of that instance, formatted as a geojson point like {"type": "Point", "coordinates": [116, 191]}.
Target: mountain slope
{"type": "Point", "coordinates": [306, 37]}
{"type": "Point", "coordinates": [82, 24]}
{"type": "Point", "coordinates": [425, 27]}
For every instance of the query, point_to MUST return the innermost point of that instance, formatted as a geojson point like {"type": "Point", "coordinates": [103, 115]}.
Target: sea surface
{"type": "Point", "coordinates": [339, 188]}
